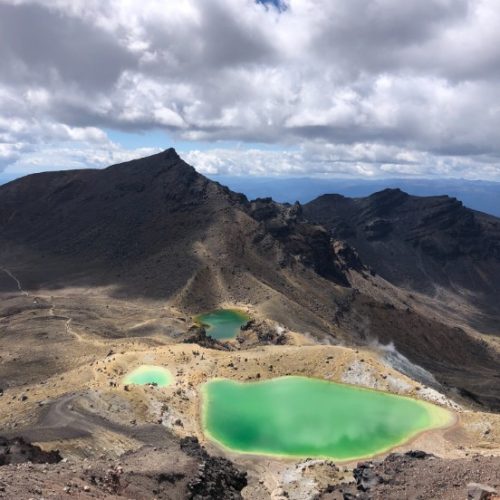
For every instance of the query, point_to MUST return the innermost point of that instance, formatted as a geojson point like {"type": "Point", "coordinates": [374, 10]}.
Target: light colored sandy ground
{"type": "Point", "coordinates": [96, 388]}
{"type": "Point", "coordinates": [178, 406]}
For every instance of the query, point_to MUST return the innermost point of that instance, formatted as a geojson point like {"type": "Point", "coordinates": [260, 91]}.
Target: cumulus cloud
{"type": "Point", "coordinates": [338, 87]}
{"type": "Point", "coordinates": [369, 161]}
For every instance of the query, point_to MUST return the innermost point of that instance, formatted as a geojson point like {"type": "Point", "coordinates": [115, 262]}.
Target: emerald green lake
{"type": "Point", "coordinates": [223, 323]}
{"type": "Point", "coordinates": [148, 374]}
{"type": "Point", "coordinates": [303, 417]}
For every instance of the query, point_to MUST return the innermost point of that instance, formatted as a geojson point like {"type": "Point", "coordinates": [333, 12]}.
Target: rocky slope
{"type": "Point", "coordinates": [129, 223]}
{"type": "Point", "coordinates": [155, 229]}
{"type": "Point", "coordinates": [426, 244]}
{"type": "Point", "coordinates": [102, 271]}
{"type": "Point", "coordinates": [183, 470]}
{"type": "Point", "coordinates": [400, 476]}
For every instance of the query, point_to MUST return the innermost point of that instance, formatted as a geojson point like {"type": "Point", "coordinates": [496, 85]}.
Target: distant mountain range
{"type": "Point", "coordinates": [478, 195]}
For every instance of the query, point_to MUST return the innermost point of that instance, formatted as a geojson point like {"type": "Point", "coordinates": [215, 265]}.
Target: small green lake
{"type": "Point", "coordinates": [223, 323]}
{"type": "Point", "coordinates": [304, 417]}
{"type": "Point", "coordinates": [149, 374]}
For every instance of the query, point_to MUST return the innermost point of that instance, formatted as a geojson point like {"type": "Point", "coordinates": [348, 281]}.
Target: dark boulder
{"type": "Point", "coordinates": [365, 476]}
{"type": "Point", "coordinates": [217, 477]}
{"type": "Point", "coordinates": [198, 335]}
{"type": "Point", "coordinates": [18, 451]}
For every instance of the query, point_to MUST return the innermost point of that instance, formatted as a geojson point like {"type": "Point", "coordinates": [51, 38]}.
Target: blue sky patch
{"type": "Point", "coordinates": [279, 4]}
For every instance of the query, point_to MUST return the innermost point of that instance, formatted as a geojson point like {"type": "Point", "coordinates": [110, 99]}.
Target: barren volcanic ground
{"type": "Point", "coordinates": [105, 271]}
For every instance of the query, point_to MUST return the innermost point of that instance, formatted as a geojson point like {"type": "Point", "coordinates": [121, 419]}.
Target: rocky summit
{"type": "Point", "coordinates": [105, 271]}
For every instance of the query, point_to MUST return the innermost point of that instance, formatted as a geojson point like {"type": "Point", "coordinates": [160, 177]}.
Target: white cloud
{"type": "Point", "coordinates": [358, 160]}
{"type": "Point", "coordinates": [71, 155]}
{"type": "Point", "coordinates": [362, 88]}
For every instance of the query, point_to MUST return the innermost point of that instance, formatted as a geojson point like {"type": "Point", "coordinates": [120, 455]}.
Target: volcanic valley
{"type": "Point", "coordinates": [103, 272]}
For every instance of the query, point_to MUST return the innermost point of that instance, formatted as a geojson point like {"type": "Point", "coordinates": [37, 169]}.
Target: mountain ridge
{"type": "Point", "coordinates": [154, 229]}
{"type": "Point", "coordinates": [421, 243]}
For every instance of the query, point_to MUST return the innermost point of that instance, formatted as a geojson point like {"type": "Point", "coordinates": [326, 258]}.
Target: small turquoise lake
{"type": "Point", "coordinates": [222, 324]}
{"type": "Point", "coordinates": [149, 374]}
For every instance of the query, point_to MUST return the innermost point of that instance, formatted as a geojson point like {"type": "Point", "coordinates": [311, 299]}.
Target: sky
{"type": "Point", "coordinates": [363, 89]}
